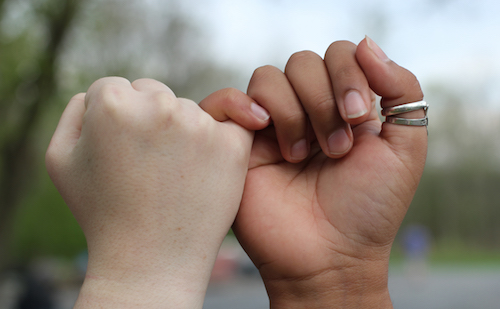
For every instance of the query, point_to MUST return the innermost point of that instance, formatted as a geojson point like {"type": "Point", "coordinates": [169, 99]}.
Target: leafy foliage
{"type": "Point", "coordinates": [53, 49]}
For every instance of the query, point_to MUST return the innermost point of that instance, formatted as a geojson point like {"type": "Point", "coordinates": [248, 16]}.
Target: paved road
{"type": "Point", "coordinates": [448, 288]}
{"type": "Point", "coordinates": [436, 288]}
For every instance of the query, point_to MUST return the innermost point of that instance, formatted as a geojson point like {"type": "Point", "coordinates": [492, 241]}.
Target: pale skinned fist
{"type": "Point", "coordinates": [155, 183]}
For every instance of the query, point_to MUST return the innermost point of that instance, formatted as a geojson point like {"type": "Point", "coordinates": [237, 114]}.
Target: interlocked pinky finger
{"type": "Point", "coordinates": [232, 104]}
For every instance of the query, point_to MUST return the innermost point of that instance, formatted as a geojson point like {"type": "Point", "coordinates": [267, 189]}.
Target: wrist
{"type": "Point", "coordinates": [131, 291]}
{"type": "Point", "coordinates": [145, 282]}
{"type": "Point", "coordinates": [362, 286]}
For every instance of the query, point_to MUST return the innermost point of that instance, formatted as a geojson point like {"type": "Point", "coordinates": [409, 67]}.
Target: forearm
{"type": "Point", "coordinates": [356, 287]}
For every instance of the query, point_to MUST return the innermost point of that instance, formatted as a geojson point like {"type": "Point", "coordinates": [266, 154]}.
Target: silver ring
{"type": "Point", "coordinates": [405, 108]}
{"type": "Point", "coordinates": [408, 122]}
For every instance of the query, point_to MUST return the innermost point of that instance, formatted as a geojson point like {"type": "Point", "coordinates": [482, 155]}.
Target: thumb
{"type": "Point", "coordinates": [396, 86]}
{"type": "Point", "coordinates": [67, 132]}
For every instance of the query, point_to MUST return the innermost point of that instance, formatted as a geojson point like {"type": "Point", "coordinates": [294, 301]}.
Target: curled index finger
{"type": "Point", "coordinates": [309, 76]}
{"type": "Point", "coordinates": [230, 103]}
{"type": "Point", "coordinates": [270, 88]}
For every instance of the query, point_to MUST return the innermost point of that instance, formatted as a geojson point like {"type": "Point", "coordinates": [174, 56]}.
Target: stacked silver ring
{"type": "Point", "coordinates": [390, 112]}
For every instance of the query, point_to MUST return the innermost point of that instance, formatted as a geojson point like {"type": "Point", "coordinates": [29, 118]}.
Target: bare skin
{"type": "Point", "coordinates": [155, 183]}
{"type": "Point", "coordinates": [320, 229]}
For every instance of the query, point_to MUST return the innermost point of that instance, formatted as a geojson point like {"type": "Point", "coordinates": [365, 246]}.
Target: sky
{"type": "Point", "coordinates": [448, 42]}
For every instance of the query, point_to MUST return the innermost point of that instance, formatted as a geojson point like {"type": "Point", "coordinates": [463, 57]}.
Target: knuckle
{"type": "Point", "coordinates": [409, 87]}
{"type": "Point", "coordinates": [231, 95]}
{"type": "Point", "coordinates": [105, 81]}
{"type": "Point", "coordinates": [346, 73]}
{"type": "Point", "coordinates": [145, 80]}
{"type": "Point", "coordinates": [109, 97]}
{"type": "Point", "coordinates": [262, 79]}
{"type": "Point", "coordinates": [293, 118]}
{"type": "Point", "coordinates": [340, 45]}
{"type": "Point", "coordinates": [302, 58]}
{"type": "Point", "coordinates": [184, 114]}
{"type": "Point", "coordinates": [160, 113]}
{"type": "Point", "coordinates": [80, 96]}
{"type": "Point", "coordinates": [166, 113]}
{"type": "Point", "coordinates": [323, 103]}
{"type": "Point", "coordinates": [265, 72]}
{"type": "Point", "coordinates": [163, 99]}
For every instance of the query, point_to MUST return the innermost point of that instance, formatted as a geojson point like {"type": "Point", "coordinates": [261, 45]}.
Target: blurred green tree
{"type": "Point", "coordinates": [459, 194]}
{"type": "Point", "coordinates": [27, 83]}
{"type": "Point", "coordinates": [52, 49]}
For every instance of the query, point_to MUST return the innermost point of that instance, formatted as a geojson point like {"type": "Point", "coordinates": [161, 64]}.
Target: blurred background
{"type": "Point", "coordinates": [448, 252]}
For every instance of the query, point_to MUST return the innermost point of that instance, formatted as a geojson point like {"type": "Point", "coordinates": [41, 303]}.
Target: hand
{"type": "Point", "coordinates": [155, 184]}
{"type": "Point", "coordinates": [320, 231]}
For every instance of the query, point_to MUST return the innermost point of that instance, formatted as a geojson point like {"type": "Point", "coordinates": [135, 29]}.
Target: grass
{"type": "Point", "coordinates": [453, 253]}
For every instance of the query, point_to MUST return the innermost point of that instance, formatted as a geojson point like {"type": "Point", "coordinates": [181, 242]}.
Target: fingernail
{"type": "Point", "coordinates": [259, 112]}
{"type": "Point", "coordinates": [376, 49]}
{"type": "Point", "coordinates": [338, 142]}
{"type": "Point", "coordinates": [354, 105]}
{"type": "Point", "coordinates": [299, 150]}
